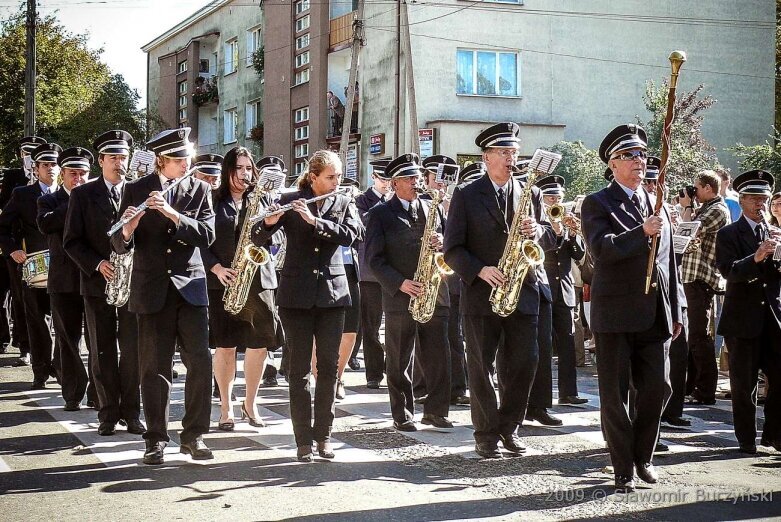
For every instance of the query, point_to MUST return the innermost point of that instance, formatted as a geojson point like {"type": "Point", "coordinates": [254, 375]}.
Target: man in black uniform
{"type": "Point", "coordinates": [751, 317]}
{"type": "Point", "coordinates": [371, 293]}
{"type": "Point", "coordinates": [63, 285]}
{"type": "Point", "coordinates": [633, 330]}
{"type": "Point", "coordinates": [480, 216]}
{"type": "Point", "coordinates": [393, 244]}
{"type": "Point", "coordinates": [168, 290]}
{"type": "Point", "coordinates": [20, 236]}
{"type": "Point", "coordinates": [91, 212]}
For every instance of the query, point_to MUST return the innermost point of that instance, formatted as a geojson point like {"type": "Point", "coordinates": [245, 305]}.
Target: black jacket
{"type": "Point", "coordinates": [18, 222]}
{"type": "Point", "coordinates": [313, 274]}
{"type": "Point", "coordinates": [63, 272]}
{"type": "Point", "coordinates": [475, 237]}
{"type": "Point", "coordinates": [90, 215]}
{"type": "Point", "coordinates": [751, 286]}
{"type": "Point", "coordinates": [613, 228]}
{"type": "Point", "coordinates": [364, 204]}
{"type": "Point", "coordinates": [227, 229]}
{"type": "Point", "coordinates": [393, 250]}
{"type": "Point", "coordinates": [558, 266]}
{"type": "Point", "coordinates": [164, 251]}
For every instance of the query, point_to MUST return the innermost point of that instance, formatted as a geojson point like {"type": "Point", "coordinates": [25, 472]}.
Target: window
{"type": "Point", "coordinates": [253, 43]}
{"type": "Point", "coordinates": [231, 56]}
{"type": "Point", "coordinates": [301, 6]}
{"type": "Point", "coordinates": [182, 100]}
{"type": "Point", "coordinates": [182, 66]}
{"type": "Point", "coordinates": [487, 73]}
{"type": "Point", "coordinates": [299, 167]}
{"type": "Point", "coordinates": [252, 116]}
{"type": "Point", "coordinates": [302, 133]}
{"type": "Point", "coordinates": [182, 114]}
{"type": "Point", "coordinates": [302, 77]}
{"type": "Point", "coordinates": [230, 126]}
{"type": "Point", "coordinates": [302, 23]}
{"type": "Point", "coordinates": [302, 41]}
{"type": "Point", "coordinates": [302, 151]}
{"type": "Point", "coordinates": [302, 114]}
{"type": "Point", "coordinates": [182, 87]}
{"type": "Point", "coordinates": [203, 66]}
{"type": "Point", "coordinates": [302, 59]}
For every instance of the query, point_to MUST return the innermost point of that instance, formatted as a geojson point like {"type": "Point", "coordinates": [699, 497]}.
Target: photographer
{"type": "Point", "coordinates": [701, 281]}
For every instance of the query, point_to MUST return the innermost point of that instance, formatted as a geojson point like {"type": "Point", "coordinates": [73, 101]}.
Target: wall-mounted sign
{"type": "Point", "coordinates": [426, 140]}
{"type": "Point", "coordinates": [377, 144]}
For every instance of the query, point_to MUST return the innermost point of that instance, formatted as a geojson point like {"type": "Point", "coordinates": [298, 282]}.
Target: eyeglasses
{"type": "Point", "coordinates": [507, 153]}
{"type": "Point", "coordinates": [631, 155]}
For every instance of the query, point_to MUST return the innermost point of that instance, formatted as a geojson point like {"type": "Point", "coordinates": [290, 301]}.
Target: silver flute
{"type": "Point", "coordinates": [143, 206]}
{"type": "Point", "coordinates": [284, 208]}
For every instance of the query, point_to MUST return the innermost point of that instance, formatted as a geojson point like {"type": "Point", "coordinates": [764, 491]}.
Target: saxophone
{"type": "Point", "coordinates": [118, 287]}
{"type": "Point", "coordinates": [247, 259]}
{"type": "Point", "coordinates": [520, 254]}
{"type": "Point", "coordinates": [431, 266]}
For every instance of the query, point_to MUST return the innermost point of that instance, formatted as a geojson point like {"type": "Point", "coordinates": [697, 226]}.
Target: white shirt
{"type": "Point", "coordinates": [640, 193]}
{"type": "Point", "coordinates": [110, 185]}
{"type": "Point", "coordinates": [378, 194]}
{"type": "Point", "coordinates": [44, 187]}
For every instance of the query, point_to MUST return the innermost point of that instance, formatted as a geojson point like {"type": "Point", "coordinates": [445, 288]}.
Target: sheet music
{"type": "Point", "coordinates": [271, 179]}
{"type": "Point", "coordinates": [684, 234]}
{"type": "Point", "coordinates": [142, 163]}
{"type": "Point", "coordinates": [544, 162]}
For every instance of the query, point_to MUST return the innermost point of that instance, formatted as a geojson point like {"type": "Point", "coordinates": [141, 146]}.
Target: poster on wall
{"type": "Point", "coordinates": [426, 140]}
{"type": "Point", "coordinates": [351, 163]}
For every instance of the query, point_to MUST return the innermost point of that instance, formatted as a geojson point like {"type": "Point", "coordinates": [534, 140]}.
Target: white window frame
{"type": "Point", "coordinates": [302, 77]}
{"type": "Point", "coordinates": [231, 50]}
{"type": "Point", "coordinates": [301, 150]}
{"type": "Point", "coordinates": [301, 115]}
{"type": "Point", "coordinates": [302, 24]}
{"type": "Point", "coordinates": [183, 87]}
{"type": "Point", "coordinates": [182, 100]}
{"type": "Point", "coordinates": [182, 114]}
{"type": "Point", "coordinates": [301, 133]}
{"type": "Point", "coordinates": [302, 59]}
{"type": "Point", "coordinates": [302, 42]}
{"type": "Point", "coordinates": [299, 167]}
{"type": "Point", "coordinates": [252, 116]}
{"type": "Point", "coordinates": [254, 38]}
{"type": "Point", "coordinates": [496, 78]}
{"type": "Point", "coordinates": [181, 67]}
{"type": "Point", "coordinates": [230, 135]}
{"type": "Point", "coordinates": [302, 6]}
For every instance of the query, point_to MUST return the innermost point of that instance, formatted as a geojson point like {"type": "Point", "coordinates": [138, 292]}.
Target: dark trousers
{"type": "Point", "coordinates": [116, 375]}
{"type": "Point", "coordinates": [455, 337]}
{"type": "Point", "coordinates": [433, 354]}
{"type": "Point", "coordinates": [516, 363]}
{"type": "Point", "coordinates": [302, 326]}
{"type": "Point", "coordinates": [636, 359]}
{"type": "Point", "coordinates": [68, 319]}
{"type": "Point", "coordinates": [371, 319]}
{"type": "Point", "coordinates": [678, 356]}
{"type": "Point", "coordinates": [563, 318]}
{"type": "Point", "coordinates": [5, 289]}
{"type": "Point", "coordinates": [541, 395]}
{"type": "Point", "coordinates": [157, 340]}
{"type": "Point", "coordinates": [36, 307]}
{"type": "Point", "coordinates": [703, 371]}
{"type": "Point", "coordinates": [746, 358]}
{"type": "Point", "coordinates": [20, 338]}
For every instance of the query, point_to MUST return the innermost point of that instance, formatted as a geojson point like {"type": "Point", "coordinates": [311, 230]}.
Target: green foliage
{"type": "Point", "coordinates": [76, 96]}
{"type": "Point", "coordinates": [690, 152]}
{"type": "Point", "coordinates": [766, 156]}
{"type": "Point", "coordinates": [580, 167]}
{"type": "Point", "coordinates": [258, 60]}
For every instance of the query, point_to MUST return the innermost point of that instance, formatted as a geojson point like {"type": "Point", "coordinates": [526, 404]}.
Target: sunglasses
{"type": "Point", "coordinates": [631, 155]}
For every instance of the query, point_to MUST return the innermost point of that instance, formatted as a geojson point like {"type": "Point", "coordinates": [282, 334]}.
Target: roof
{"type": "Point", "coordinates": [181, 26]}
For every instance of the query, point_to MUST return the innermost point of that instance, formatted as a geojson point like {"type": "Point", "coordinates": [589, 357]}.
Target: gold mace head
{"type": "Point", "coordinates": [676, 60]}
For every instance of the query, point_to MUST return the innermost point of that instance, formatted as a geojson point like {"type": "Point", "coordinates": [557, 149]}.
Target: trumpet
{"type": "Point", "coordinates": [557, 213]}
{"type": "Point", "coordinates": [260, 216]}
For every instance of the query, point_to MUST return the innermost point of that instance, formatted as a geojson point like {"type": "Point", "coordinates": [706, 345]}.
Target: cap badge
{"type": "Point", "coordinates": [78, 151]}
{"type": "Point", "coordinates": [211, 157]}
{"type": "Point", "coordinates": [118, 134]}
{"type": "Point", "coordinates": [181, 134]}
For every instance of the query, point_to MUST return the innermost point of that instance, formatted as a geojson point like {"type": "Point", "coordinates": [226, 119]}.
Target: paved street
{"type": "Point", "coordinates": [53, 465]}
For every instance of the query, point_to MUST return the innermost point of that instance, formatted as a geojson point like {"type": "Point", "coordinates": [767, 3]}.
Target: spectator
{"type": "Point", "coordinates": [729, 195]}
{"type": "Point", "coordinates": [337, 112]}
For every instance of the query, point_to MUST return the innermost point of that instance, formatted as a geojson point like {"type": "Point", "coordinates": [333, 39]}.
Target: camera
{"type": "Point", "coordinates": [688, 190]}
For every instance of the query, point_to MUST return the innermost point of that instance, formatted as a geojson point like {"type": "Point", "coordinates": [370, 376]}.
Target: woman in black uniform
{"type": "Point", "coordinates": [257, 327]}
{"type": "Point", "coordinates": [313, 293]}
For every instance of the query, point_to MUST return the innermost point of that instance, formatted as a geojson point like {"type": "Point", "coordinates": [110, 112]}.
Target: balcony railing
{"type": "Point", "coordinates": [341, 32]}
{"type": "Point", "coordinates": [205, 91]}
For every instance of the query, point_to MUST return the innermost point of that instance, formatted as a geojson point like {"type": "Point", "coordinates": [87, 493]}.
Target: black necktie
{"type": "Point", "coordinates": [169, 195]}
{"type": "Point", "coordinates": [502, 200]}
{"type": "Point", "coordinates": [382, 198]}
{"type": "Point", "coordinates": [759, 232]}
{"type": "Point", "coordinates": [115, 197]}
{"type": "Point", "coordinates": [413, 212]}
{"type": "Point", "coordinates": [636, 201]}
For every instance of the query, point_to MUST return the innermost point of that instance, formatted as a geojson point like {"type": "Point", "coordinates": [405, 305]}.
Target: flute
{"type": "Point", "coordinates": [143, 206]}
{"type": "Point", "coordinates": [284, 208]}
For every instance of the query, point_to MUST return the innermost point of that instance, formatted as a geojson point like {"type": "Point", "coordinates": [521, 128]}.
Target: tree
{"type": "Point", "coordinates": [690, 152]}
{"type": "Point", "coordinates": [76, 96]}
{"type": "Point", "coordinates": [766, 156]}
{"type": "Point", "coordinates": [580, 167]}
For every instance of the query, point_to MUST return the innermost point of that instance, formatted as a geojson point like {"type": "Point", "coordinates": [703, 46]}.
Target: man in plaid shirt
{"type": "Point", "coordinates": [701, 280]}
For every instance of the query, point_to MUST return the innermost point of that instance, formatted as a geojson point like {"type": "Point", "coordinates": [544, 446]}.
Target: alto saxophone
{"type": "Point", "coordinates": [247, 258]}
{"type": "Point", "coordinates": [431, 267]}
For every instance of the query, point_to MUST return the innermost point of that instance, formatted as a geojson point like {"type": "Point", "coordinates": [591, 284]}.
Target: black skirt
{"type": "Point", "coordinates": [257, 326]}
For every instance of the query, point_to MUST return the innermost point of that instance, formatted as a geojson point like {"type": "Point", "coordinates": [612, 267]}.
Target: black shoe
{"type": "Point", "coordinates": [421, 399]}
{"type": "Point", "coordinates": [770, 443]}
{"type": "Point", "coordinates": [92, 404]}
{"type": "Point", "coordinates": [135, 426]}
{"type": "Point", "coordinates": [354, 364]}
{"type": "Point", "coordinates": [38, 385]}
{"type": "Point", "coordinates": [174, 374]}
{"type": "Point", "coordinates": [72, 406]}
{"type": "Point", "coordinates": [624, 484]}
{"type": "Point", "coordinates": [443, 423]}
{"type": "Point", "coordinates": [270, 382]}
{"type": "Point", "coordinates": [748, 449]}
{"type": "Point", "coordinates": [304, 453]}
{"type": "Point", "coordinates": [373, 385]}
{"type": "Point", "coordinates": [405, 426]}
{"type": "Point", "coordinates": [696, 400]}
{"type": "Point", "coordinates": [197, 449]}
{"type": "Point", "coordinates": [512, 443]}
{"type": "Point", "coordinates": [460, 400]}
{"type": "Point", "coordinates": [572, 400]}
{"type": "Point", "coordinates": [324, 450]}
{"type": "Point", "coordinates": [107, 429]}
{"type": "Point", "coordinates": [340, 391]}
{"type": "Point", "coordinates": [488, 450]}
{"type": "Point", "coordinates": [154, 453]}
{"type": "Point", "coordinates": [661, 447]}
{"type": "Point", "coordinates": [216, 393]}
{"type": "Point", "coordinates": [23, 360]}
{"type": "Point", "coordinates": [542, 416]}
{"type": "Point", "coordinates": [3, 348]}
{"type": "Point", "coordinates": [677, 422]}
{"type": "Point", "coordinates": [647, 473]}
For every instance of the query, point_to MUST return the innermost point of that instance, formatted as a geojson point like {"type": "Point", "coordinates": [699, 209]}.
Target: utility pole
{"type": "Point", "coordinates": [356, 49]}
{"type": "Point", "coordinates": [396, 106]}
{"type": "Point", "coordinates": [29, 73]}
{"type": "Point", "coordinates": [410, 76]}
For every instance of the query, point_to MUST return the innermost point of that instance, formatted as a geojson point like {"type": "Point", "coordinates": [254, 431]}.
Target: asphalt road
{"type": "Point", "coordinates": [54, 466]}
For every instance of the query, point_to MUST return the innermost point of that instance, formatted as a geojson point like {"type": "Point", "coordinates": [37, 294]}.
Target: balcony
{"type": "Point", "coordinates": [341, 32]}
{"type": "Point", "coordinates": [205, 91]}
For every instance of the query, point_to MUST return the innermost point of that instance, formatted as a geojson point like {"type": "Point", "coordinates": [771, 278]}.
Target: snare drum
{"type": "Point", "coordinates": [35, 269]}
